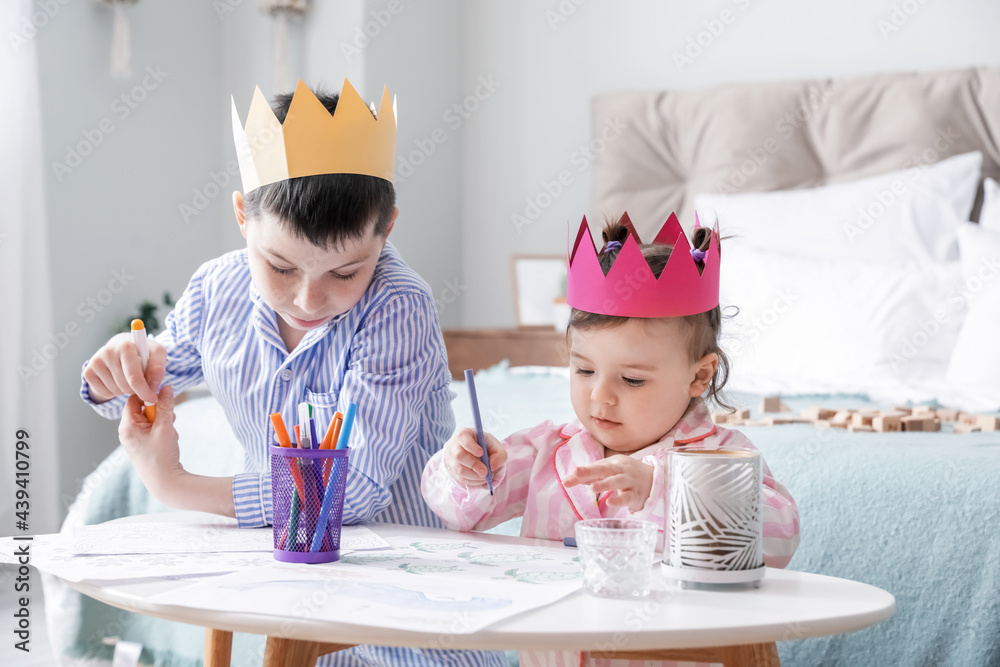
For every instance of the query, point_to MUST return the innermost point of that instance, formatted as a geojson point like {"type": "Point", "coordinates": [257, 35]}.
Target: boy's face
{"type": "Point", "coordinates": [306, 285]}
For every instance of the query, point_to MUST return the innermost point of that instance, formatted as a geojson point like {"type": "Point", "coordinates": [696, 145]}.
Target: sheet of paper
{"type": "Point", "coordinates": [450, 585]}
{"type": "Point", "coordinates": [57, 554]}
{"type": "Point", "coordinates": [215, 537]}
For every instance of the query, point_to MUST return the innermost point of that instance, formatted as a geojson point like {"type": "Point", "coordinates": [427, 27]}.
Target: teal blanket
{"type": "Point", "coordinates": [917, 514]}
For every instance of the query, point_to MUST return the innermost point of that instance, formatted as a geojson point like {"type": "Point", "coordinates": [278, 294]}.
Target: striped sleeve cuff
{"type": "Point", "coordinates": [109, 409]}
{"type": "Point", "coordinates": [252, 498]}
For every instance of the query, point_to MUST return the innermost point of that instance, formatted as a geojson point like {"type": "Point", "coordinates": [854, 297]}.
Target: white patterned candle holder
{"type": "Point", "coordinates": [714, 521]}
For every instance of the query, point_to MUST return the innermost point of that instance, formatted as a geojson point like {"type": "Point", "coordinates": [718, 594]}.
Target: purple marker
{"type": "Point", "coordinates": [480, 438]}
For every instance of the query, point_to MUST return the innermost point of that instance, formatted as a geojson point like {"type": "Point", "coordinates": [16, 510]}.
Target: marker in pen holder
{"type": "Point", "coordinates": [301, 535]}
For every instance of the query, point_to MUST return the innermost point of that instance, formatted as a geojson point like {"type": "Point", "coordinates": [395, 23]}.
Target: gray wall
{"type": "Point", "coordinates": [118, 210]}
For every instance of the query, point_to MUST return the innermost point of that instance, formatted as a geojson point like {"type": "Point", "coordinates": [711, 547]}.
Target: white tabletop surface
{"type": "Point", "coordinates": [788, 605]}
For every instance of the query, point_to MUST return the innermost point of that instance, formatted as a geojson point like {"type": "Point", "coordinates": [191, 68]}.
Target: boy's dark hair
{"type": "Point", "coordinates": [327, 209]}
{"type": "Point", "coordinates": [704, 328]}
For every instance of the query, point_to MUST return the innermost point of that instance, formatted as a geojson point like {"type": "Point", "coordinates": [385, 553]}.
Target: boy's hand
{"type": "Point", "coordinates": [116, 369]}
{"type": "Point", "coordinates": [152, 447]}
{"type": "Point", "coordinates": [462, 457]}
{"type": "Point", "coordinates": [630, 478]}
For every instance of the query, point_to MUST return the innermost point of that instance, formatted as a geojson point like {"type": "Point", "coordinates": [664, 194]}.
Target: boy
{"type": "Point", "coordinates": [319, 307]}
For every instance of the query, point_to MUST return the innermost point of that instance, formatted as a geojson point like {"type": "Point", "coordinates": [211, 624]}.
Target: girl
{"type": "Point", "coordinates": [637, 386]}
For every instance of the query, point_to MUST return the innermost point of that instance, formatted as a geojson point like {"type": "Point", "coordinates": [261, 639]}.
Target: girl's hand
{"type": "Point", "coordinates": [152, 447]}
{"type": "Point", "coordinates": [630, 478]}
{"type": "Point", "coordinates": [463, 457]}
{"type": "Point", "coordinates": [116, 369]}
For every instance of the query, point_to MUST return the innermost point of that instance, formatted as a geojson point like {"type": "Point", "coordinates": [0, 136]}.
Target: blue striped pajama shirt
{"type": "Point", "coordinates": [386, 355]}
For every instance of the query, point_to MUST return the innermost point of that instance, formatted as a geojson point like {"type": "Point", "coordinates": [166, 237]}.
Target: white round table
{"type": "Point", "coordinates": [674, 623]}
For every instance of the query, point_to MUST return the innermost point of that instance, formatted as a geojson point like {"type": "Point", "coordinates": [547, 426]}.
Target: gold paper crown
{"type": "Point", "coordinates": [311, 141]}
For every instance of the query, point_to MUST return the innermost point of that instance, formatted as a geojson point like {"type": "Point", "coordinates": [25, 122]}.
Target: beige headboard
{"type": "Point", "coordinates": [786, 135]}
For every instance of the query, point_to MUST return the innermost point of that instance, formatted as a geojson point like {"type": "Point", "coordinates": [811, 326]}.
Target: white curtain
{"type": "Point", "coordinates": [27, 401]}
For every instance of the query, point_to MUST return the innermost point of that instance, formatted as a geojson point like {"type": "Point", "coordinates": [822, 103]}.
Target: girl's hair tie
{"type": "Point", "coordinates": [612, 245]}
{"type": "Point", "coordinates": [698, 255]}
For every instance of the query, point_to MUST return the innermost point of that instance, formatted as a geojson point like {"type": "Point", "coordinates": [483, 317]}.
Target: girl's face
{"type": "Point", "coordinates": [630, 384]}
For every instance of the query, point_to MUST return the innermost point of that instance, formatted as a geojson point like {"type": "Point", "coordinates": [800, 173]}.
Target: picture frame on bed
{"type": "Point", "coordinates": [539, 283]}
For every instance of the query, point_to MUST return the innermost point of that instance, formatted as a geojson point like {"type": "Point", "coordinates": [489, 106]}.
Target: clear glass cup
{"type": "Point", "coordinates": [616, 555]}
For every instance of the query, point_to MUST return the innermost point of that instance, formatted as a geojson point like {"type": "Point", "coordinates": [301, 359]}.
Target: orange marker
{"type": "Point", "coordinates": [279, 429]}
{"type": "Point", "coordinates": [282, 433]}
{"type": "Point", "coordinates": [329, 440]}
{"type": "Point", "coordinates": [139, 338]}
{"type": "Point", "coordinates": [331, 433]}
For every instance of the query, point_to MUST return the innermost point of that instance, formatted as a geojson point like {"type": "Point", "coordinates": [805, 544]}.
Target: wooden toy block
{"type": "Point", "coordinates": [902, 408]}
{"type": "Point", "coordinates": [919, 423]}
{"type": "Point", "coordinates": [961, 427]}
{"type": "Point", "coordinates": [841, 418]}
{"type": "Point", "coordinates": [859, 428]}
{"type": "Point", "coordinates": [966, 418]}
{"type": "Point", "coordinates": [815, 414]}
{"type": "Point", "coordinates": [757, 422]}
{"type": "Point", "coordinates": [948, 414]}
{"type": "Point", "coordinates": [773, 404]}
{"type": "Point", "coordinates": [923, 411]}
{"type": "Point", "coordinates": [861, 419]}
{"type": "Point", "coordinates": [870, 412]}
{"type": "Point", "coordinates": [777, 421]}
{"type": "Point", "coordinates": [887, 424]}
{"type": "Point", "coordinates": [742, 415]}
{"type": "Point", "coordinates": [988, 422]}
{"type": "Point", "coordinates": [893, 413]}
{"type": "Point", "coordinates": [720, 416]}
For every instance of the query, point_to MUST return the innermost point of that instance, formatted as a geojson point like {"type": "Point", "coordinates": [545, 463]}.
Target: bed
{"type": "Point", "coordinates": [913, 513]}
{"type": "Point", "coordinates": [860, 281]}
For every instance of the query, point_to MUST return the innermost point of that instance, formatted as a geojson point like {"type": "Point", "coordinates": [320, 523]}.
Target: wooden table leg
{"type": "Point", "coordinates": [218, 647]}
{"type": "Point", "coordinates": [281, 652]}
{"type": "Point", "coordinates": [750, 655]}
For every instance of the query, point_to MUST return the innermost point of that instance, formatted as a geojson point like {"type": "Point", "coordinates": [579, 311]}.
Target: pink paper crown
{"type": "Point", "coordinates": [630, 289]}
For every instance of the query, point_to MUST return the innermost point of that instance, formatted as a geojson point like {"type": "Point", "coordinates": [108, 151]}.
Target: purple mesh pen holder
{"type": "Point", "coordinates": [307, 484]}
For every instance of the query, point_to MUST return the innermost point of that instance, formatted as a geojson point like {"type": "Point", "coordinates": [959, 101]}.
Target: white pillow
{"type": "Point", "coordinates": [975, 364]}
{"type": "Point", "coordinates": [908, 215]}
{"type": "Point", "coordinates": [989, 216]}
{"type": "Point", "coordinates": [822, 326]}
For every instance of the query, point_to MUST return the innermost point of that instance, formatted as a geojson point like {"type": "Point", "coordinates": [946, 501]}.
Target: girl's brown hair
{"type": "Point", "coordinates": [704, 328]}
